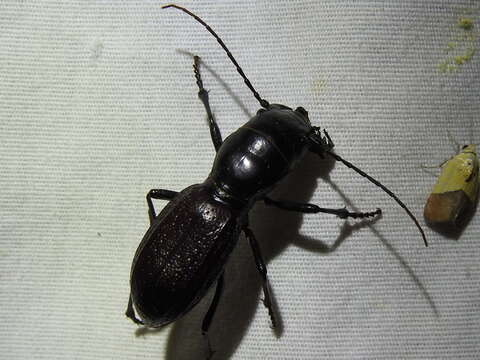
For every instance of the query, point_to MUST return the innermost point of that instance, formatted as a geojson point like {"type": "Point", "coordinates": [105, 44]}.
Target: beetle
{"type": "Point", "coordinates": [455, 193]}
{"type": "Point", "coordinates": [186, 247]}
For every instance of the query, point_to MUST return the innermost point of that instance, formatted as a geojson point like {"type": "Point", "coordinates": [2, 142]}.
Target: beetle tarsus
{"type": "Point", "coordinates": [215, 133]}
{"type": "Point", "coordinates": [381, 186]}
{"type": "Point", "coordinates": [306, 208]}
{"type": "Point", "coordinates": [344, 214]}
{"type": "Point", "coordinates": [262, 269]}
{"type": "Point", "coordinates": [271, 314]}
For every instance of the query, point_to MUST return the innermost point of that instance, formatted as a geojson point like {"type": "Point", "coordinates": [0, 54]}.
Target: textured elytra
{"type": "Point", "coordinates": [182, 254]}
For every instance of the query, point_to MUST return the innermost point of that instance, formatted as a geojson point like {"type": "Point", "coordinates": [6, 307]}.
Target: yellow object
{"type": "Point", "coordinates": [456, 191]}
{"type": "Point", "coordinates": [465, 23]}
{"type": "Point", "coordinates": [462, 47]}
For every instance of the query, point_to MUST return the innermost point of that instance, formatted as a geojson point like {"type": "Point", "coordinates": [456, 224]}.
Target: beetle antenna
{"type": "Point", "coordinates": [392, 195]}
{"type": "Point", "coordinates": [264, 103]}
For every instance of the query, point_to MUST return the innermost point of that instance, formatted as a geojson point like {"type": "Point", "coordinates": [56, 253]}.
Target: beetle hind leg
{"type": "Point", "coordinates": [207, 320]}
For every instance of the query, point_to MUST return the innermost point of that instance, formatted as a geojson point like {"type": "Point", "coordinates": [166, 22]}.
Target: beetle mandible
{"type": "Point", "coordinates": [187, 245]}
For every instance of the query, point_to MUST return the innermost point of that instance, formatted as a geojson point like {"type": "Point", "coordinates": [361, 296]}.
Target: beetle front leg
{"type": "Point", "coordinates": [158, 194]}
{"type": "Point", "coordinates": [306, 208]}
{"type": "Point", "coordinates": [203, 96]}
{"type": "Point", "coordinates": [262, 269]}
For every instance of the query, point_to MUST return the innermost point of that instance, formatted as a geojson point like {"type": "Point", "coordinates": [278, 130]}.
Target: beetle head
{"type": "Point", "coordinates": [319, 143]}
{"type": "Point", "coordinates": [299, 112]}
{"type": "Point", "coordinates": [304, 114]}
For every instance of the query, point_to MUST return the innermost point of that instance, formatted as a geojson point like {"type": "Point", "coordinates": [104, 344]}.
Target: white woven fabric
{"type": "Point", "coordinates": [98, 105]}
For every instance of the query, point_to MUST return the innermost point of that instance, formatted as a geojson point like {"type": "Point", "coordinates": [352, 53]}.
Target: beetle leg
{"type": "Point", "coordinates": [342, 213]}
{"type": "Point", "coordinates": [158, 194]}
{"type": "Point", "coordinates": [203, 96]}
{"type": "Point", "coordinates": [262, 269]}
{"type": "Point", "coordinates": [130, 313]}
{"type": "Point", "coordinates": [207, 320]}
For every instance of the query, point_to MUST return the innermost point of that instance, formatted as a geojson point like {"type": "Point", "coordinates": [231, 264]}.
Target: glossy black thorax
{"type": "Point", "coordinates": [260, 153]}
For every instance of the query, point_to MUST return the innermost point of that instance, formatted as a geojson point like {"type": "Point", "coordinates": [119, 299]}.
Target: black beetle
{"type": "Point", "coordinates": [188, 243]}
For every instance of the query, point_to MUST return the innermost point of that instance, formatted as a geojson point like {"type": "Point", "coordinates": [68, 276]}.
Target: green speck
{"type": "Point", "coordinates": [461, 47]}
{"type": "Point", "coordinates": [451, 45]}
{"type": "Point", "coordinates": [465, 23]}
{"type": "Point", "coordinates": [443, 66]}
{"type": "Point", "coordinates": [470, 52]}
{"type": "Point", "coordinates": [459, 60]}
{"type": "Point", "coordinates": [447, 67]}
{"type": "Point", "coordinates": [451, 68]}
{"type": "Point", "coordinates": [467, 56]}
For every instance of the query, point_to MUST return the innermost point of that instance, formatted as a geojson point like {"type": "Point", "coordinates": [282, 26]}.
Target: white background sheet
{"type": "Point", "coordinates": [98, 105]}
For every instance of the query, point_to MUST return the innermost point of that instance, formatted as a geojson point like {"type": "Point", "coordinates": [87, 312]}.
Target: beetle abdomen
{"type": "Point", "coordinates": [182, 254]}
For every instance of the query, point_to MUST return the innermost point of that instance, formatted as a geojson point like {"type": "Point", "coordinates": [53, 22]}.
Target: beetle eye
{"type": "Point", "coordinates": [464, 147]}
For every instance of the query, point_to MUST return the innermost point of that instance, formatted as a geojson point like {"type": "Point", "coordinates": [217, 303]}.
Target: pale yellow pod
{"type": "Point", "coordinates": [456, 192]}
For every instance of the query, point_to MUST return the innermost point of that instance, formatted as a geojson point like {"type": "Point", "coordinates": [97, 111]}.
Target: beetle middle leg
{"type": "Point", "coordinates": [262, 269]}
{"type": "Point", "coordinates": [158, 194]}
{"type": "Point", "coordinates": [203, 96]}
{"type": "Point", "coordinates": [342, 213]}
